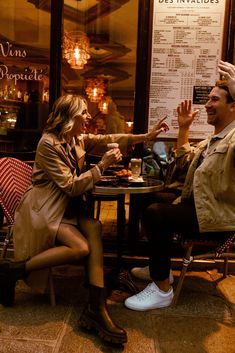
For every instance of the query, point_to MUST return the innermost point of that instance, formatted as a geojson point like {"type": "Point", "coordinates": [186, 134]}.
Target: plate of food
{"type": "Point", "coordinates": [106, 180]}
{"type": "Point", "coordinates": [123, 173]}
{"type": "Point", "coordinates": [136, 181]}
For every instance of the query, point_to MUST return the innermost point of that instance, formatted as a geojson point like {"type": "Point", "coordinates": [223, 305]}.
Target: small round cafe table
{"type": "Point", "coordinates": [111, 187]}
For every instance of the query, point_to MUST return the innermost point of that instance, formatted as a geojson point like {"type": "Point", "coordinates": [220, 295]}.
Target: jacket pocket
{"type": "Point", "coordinates": [219, 149]}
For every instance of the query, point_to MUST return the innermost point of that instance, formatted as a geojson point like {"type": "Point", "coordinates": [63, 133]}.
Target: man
{"type": "Point", "coordinates": [208, 196]}
{"type": "Point", "coordinates": [114, 121]}
{"type": "Point", "coordinates": [227, 71]}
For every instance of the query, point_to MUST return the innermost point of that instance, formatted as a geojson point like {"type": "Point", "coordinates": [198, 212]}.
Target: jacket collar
{"type": "Point", "coordinates": [225, 131]}
{"type": "Point", "coordinates": [77, 143]}
{"type": "Point", "coordinates": [219, 136]}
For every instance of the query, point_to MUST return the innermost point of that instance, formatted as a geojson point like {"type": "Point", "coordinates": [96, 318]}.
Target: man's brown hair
{"type": "Point", "coordinates": [223, 84]}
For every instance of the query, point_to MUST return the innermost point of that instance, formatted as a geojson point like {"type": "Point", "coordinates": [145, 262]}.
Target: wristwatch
{"type": "Point", "coordinates": [101, 166]}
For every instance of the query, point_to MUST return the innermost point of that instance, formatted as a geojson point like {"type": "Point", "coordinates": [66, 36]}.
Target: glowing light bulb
{"type": "Point", "coordinates": [77, 54]}
{"type": "Point", "coordinates": [95, 92]}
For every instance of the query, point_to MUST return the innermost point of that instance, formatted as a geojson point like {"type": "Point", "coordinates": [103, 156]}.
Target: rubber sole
{"type": "Point", "coordinates": [89, 324]}
{"type": "Point", "coordinates": [147, 308]}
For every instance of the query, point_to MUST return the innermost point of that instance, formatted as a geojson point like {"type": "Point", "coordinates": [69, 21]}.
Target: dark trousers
{"type": "Point", "coordinates": [161, 221]}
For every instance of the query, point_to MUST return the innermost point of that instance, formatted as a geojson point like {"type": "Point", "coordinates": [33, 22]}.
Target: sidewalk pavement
{"type": "Point", "coordinates": [202, 322]}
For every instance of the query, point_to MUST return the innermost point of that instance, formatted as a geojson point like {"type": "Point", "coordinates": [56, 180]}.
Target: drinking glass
{"type": "Point", "coordinates": [136, 164]}
{"type": "Point", "coordinates": [112, 145]}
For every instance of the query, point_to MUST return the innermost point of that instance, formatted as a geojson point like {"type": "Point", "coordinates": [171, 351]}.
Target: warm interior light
{"type": "Point", "coordinates": [129, 123]}
{"type": "Point", "coordinates": [95, 89]}
{"type": "Point", "coordinates": [104, 104]}
{"type": "Point", "coordinates": [76, 47]}
{"type": "Point", "coordinates": [94, 92]}
{"type": "Point", "coordinates": [77, 54]}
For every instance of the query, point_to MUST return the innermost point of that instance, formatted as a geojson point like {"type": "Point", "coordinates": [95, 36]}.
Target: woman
{"type": "Point", "coordinates": [51, 225]}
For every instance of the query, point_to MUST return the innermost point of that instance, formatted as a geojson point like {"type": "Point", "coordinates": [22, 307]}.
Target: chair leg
{"type": "Point", "coordinates": [98, 210]}
{"type": "Point", "coordinates": [6, 243]}
{"type": "Point", "coordinates": [51, 289]}
{"type": "Point", "coordinates": [225, 268]}
{"type": "Point", "coordinates": [186, 261]}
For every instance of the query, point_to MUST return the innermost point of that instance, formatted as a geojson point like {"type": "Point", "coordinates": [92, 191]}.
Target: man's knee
{"type": "Point", "coordinates": [157, 216]}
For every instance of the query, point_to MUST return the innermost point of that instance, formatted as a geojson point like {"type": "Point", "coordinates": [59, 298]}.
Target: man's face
{"type": "Point", "coordinates": [217, 108]}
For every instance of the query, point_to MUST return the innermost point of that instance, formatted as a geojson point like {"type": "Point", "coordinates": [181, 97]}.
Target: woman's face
{"type": "Point", "coordinates": [81, 122]}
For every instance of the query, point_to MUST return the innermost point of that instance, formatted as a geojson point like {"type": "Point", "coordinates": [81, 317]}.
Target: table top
{"type": "Point", "coordinates": [149, 185]}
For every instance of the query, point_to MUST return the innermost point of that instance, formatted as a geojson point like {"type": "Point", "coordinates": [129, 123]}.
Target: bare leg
{"type": "Point", "coordinates": [96, 315]}
{"type": "Point", "coordinates": [164, 285]}
{"type": "Point", "coordinates": [92, 230]}
{"type": "Point", "coordinates": [74, 247]}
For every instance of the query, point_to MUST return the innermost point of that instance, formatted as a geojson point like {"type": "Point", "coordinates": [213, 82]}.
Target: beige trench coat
{"type": "Point", "coordinates": [54, 182]}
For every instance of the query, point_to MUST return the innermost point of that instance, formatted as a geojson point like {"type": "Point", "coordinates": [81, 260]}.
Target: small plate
{"type": "Point", "coordinates": [138, 181]}
{"type": "Point", "coordinates": [107, 180]}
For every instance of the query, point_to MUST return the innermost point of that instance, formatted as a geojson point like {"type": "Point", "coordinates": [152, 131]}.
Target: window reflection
{"type": "Point", "coordinates": [112, 36]}
{"type": "Point", "coordinates": [24, 70]}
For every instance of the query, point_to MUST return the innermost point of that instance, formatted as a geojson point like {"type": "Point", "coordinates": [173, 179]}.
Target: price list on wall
{"type": "Point", "coordinates": [187, 40]}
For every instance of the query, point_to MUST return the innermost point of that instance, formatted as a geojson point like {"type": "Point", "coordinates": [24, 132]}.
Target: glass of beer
{"type": "Point", "coordinates": [136, 164]}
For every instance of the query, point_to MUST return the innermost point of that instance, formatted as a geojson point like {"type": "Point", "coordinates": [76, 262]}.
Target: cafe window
{"type": "Point", "coordinates": [99, 57]}
{"type": "Point", "coordinates": [24, 72]}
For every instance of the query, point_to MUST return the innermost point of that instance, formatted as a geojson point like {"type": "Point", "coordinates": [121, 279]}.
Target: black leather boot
{"type": "Point", "coordinates": [96, 316]}
{"type": "Point", "coordinates": [10, 272]}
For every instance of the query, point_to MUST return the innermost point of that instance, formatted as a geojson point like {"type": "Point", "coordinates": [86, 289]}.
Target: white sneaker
{"type": "Point", "coordinates": [150, 298]}
{"type": "Point", "coordinates": [143, 273]}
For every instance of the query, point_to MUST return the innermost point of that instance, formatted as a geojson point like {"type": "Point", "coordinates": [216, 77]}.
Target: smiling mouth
{"type": "Point", "coordinates": [210, 112]}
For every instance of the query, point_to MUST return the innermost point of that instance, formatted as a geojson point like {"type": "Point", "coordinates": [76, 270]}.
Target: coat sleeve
{"type": "Point", "coordinates": [53, 162]}
{"type": "Point", "coordinates": [97, 144]}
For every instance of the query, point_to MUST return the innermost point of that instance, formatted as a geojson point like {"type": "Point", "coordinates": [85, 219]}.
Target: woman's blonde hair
{"type": "Point", "coordinates": [64, 110]}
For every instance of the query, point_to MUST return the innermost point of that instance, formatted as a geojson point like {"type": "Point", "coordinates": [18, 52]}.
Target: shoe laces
{"type": "Point", "coordinates": [145, 293]}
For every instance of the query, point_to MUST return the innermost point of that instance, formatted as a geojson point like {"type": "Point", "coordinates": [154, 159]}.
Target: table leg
{"type": "Point", "coordinates": [121, 220]}
{"type": "Point", "coordinates": [133, 224]}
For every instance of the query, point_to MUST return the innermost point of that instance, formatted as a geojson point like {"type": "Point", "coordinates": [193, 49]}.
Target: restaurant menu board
{"type": "Point", "coordinates": [186, 48]}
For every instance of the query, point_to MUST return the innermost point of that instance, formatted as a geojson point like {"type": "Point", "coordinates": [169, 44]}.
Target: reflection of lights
{"type": "Point", "coordinates": [45, 96]}
{"type": "Point", "coordinates": [76, 49]}
{"type": "Point", "coordinates": [129, 123]}
{"type": "Point", "coordinates": [95, 89]}
{"type": "Point", "coordinates": [11, 120]}
{"type": "Point", "coordinates": [104, 104]}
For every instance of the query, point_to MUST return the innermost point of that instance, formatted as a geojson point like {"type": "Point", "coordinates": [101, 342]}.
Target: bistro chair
{"type": "Point", "coordinates": [15, 178]}
{"type": "Point", "coordinates": [222, 250]}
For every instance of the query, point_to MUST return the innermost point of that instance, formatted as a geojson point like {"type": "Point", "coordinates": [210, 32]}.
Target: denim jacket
{"type": "Point", "coordinates": [212, 182]}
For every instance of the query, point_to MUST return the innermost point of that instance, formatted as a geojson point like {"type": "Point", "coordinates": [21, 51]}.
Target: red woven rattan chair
{"type": "Point", "coordinates": [15, 178]}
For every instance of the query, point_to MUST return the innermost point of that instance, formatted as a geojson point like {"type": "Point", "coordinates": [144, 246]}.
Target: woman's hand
{"type": "Point", "coordinates": [110, 157]}
{"type": "Point", "coordinates": [227, 71]}
{"type": "Point", "coordinates": [185, 114]}
{"type": "Point", "coordinates": [158, 128]}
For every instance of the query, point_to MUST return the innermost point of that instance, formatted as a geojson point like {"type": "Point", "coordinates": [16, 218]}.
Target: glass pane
{"type": "Point", "coordinates": [24, 70]}
{"type": "Point", "coordinates": [104, 70]}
